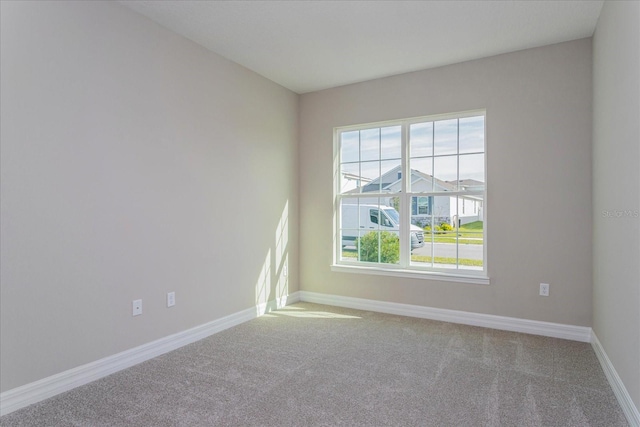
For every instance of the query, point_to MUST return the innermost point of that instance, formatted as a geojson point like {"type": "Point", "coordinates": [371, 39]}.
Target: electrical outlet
{"type": "Point", "coordinates": [544, 289]}
{"type": "Point", "coordinates": [137, 307]}
{"type": "Point", "coordinates": [171, 299]}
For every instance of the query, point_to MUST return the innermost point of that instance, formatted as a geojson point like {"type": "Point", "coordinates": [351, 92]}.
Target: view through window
{"type": "Point", "coordinates": [410, 194]}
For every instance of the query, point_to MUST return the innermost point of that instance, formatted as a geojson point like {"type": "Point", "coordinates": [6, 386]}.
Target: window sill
{"type": "Point", "coordinates": [412, 274]}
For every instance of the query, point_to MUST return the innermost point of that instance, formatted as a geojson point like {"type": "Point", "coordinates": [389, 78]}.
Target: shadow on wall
{"type": "Point", "coordinates": [272, 286]}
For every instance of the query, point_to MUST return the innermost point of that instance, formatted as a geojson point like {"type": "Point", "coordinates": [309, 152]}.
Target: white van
{"type": "Point", "coordinates": [368, 218]}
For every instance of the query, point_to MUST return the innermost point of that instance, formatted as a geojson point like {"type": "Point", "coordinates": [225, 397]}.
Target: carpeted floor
{"type": "Point", "coordinates": [315, 365]}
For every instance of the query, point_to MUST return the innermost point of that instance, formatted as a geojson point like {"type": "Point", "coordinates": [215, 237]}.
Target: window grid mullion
{"type": "Point", "coordinates": [405, 204]}
{"type": "Point", "coordinates": [379, 229]}
{"type": "Point", "coordinates": [433, 188]}
{"type": "Point", "coordinates": [457, 217]}
{"type": "Point", "coordinates": [359, 247]}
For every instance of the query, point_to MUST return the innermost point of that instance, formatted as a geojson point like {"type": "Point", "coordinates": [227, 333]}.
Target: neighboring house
{"type": "Point", "coordinates": [352, 181]}
{"type": "Point", "coordinates": [470, 208]}
{"type": "Point", "coordinates": [424, 209]}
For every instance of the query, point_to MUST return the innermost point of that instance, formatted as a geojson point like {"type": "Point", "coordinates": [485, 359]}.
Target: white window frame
{"type": "Point", "coordinates": [404, 268]}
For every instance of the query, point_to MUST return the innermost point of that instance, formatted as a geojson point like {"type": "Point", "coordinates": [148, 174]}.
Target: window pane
{"type": "Point", "coordinates": [471, 172]}
{"type": "Point", "coordinates": [359, 215]}
{"type": "Point", "coordinates": [420, 217]}
{"type": "Point", "coordinates": [471, 237]}
{"type": "Point", "coordinates": [350, 146]}
{"type": "Point", "coordinates": [430, 212]}
{"type": "Point", "coordinates": [349, 228]}
{"type": "Point", "coordinates": [370, 176]}
{"type": "Point", "coordinates": [368, 244]}
{"type": "Point", "coordinates": [370, 144]}
{"type": "Point", "coordinates": [471, 210]}
{"type": "Point", "coordinates": [421, 139]}
{"type": "Point", "coordinates": [349, 218]}
{"type": "Point", "coordinates": [392, 202]}
{"type": "Point", "coordinates": [421, 174]}
{"type": "Point", "coordinates": [434, 215]}
{"type": "Point", "coordinates": [350, 180]}
{"type": "Point", "coordinates": [423, 256]}
{"type": "Point", "coordinates": [445, 173]}
{"type": "Point", "coordinates": [472, 135]}
{"type": "Point", "coordinates": [391, 142]}
{"type": "Point", "coordinates": [446, 137]}
{"type": "Point", "coordinates": [445, 250]}
{"type": "Point", "coordinates": [444, 208]}
{"type": "Point", "coordinates": [470, 249]}
{"type": "Point", "coordinates": [379, 247]}
{"type": "Point", "coordinates": [448, 247]}
{"type": "Point", "coordinates": [391, 176]}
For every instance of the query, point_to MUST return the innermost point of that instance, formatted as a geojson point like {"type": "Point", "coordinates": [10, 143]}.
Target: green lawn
{"type": "Point", "coordinates": [427, 259]}
{"type": "Point", "coordinates": [468, 234]}
{"type": "Point", "coordinates": [473, 226]}
{"type": "Point", "coordinates": [444, 260]}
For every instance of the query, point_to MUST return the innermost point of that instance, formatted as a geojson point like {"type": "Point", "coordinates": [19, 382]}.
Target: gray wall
{"type": "Point", "coordinates": [134, 163]}
{"type": "Point", "coordinates": [538, 104]}
{"type": "Point", "coordinates": [616, 189]}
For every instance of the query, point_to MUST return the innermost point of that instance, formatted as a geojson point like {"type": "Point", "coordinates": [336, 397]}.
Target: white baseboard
{"type": "Point", "coordinates": [628, 407]}
{"type": "Point", "coordinates": [37, 391]}
{"type": "Point", "coordinates": [534, 327]}
{"type": "Point", "coordinates": [277, 303]}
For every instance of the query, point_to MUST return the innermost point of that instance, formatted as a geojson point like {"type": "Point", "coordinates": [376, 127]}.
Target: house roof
{"type": "Point", "coordinates": [469, 184]}
{"type": "Point", "coordinates": [392, 179]}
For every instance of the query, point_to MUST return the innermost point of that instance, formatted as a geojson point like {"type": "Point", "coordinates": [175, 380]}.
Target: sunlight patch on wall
{"type": "Point", "coordinates": [263, 285]}
{"type": "Point", "coordinates": [282, 257]}
{"type": "Point", "coordinates": [275, 270]}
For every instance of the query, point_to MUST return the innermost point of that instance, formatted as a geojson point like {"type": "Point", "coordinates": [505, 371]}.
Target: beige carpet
{"type": "Point", "coordinates": [315, 365]}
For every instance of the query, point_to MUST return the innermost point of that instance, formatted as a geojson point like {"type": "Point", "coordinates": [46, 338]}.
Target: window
{"type": "Point", "coordinates": [421, 206]}
{"type": "Point", "coordinates": [410, 195]}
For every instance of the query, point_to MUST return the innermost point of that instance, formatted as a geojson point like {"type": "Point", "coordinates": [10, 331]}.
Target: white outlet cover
{"type": "Point", "coordinates": [544, 289]}
{"type": "Point", "coordinates": [137, 307]}
{"type": "Point", "coordinates": [171, 299]}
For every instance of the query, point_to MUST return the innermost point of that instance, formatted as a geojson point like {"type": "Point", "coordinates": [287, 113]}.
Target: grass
{"type": "Point", "coordinates": [468, 234]}
{"type": "Point", "coordinates": [428, 259]}
{"type": "Point", "coordinates": [475, 226]}
{"type": "Point", "coordinates": [445, 260]}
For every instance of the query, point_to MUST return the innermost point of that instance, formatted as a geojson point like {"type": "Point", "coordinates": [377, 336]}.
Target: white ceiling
{"type": "Point", "coordinates": [311, 45]}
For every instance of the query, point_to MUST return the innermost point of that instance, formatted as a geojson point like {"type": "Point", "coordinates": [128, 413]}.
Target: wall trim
{"type": "Point", "coordinates": [534, 327]}
{"type": "Point", "coordinates": [624, 399]}
{"type": "Point", "coordinates": [14, 399]}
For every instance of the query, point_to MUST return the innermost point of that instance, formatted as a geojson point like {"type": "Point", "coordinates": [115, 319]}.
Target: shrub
{"type": "Point", "coordinates": [446, 226]}
{"type": "Point", "coordinates": [389, 246]}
